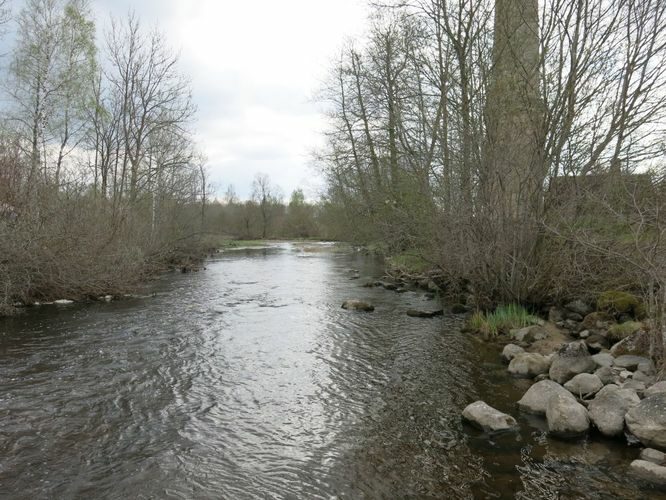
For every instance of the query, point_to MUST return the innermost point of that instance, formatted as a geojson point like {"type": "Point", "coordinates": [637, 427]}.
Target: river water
{"type": "Point", "coordinates": [247, 380]}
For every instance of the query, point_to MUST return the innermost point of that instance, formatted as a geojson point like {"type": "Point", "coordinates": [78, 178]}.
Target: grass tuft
{"type": "Point", "coordinates": [501, 320]}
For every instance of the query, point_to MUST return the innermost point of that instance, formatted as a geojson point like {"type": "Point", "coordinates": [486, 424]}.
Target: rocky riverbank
{"type": "Point", "coordinates": [591, 376]}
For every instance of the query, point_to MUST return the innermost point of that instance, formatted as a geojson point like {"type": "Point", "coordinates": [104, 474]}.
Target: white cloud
{"type": "Point", "coordinates": [255, 67]}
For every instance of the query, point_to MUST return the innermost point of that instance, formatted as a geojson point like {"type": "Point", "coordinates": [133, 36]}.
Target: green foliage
{"type": "Point", "coordinates": [618, 302]}
{"type": "Point", "coordinates": [619, 332]}
{"type": "Point", "coordinates": [501, 320]}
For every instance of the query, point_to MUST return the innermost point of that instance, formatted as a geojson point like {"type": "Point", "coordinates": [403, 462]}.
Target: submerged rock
{"type": "Point", "coordinates": [529, 364]}
{"type": "Point", "coordinates": [357, 305]}
{"type": "Point", "coordinates": [569, 361]}
{"type": "Point", "coordinates": [647, 421]}
{"type": "Point", "coordinates": [608, 408]}
{"type": "Point", "coordinates": [535, 400]}
{"type": "Point", "coordinates": [649, 471]}
{"type": "Point", "coordinates": [415, 313]}
{"type": "Point", "coordinates": [566, 417]}
{"type": "Point", "coordinates": [487, 418]}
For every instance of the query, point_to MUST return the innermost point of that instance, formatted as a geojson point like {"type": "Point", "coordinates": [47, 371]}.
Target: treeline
{"type": "Point", "coordinates": [515, 145]}
{"type": "Point", "coordinates": [100, 178]}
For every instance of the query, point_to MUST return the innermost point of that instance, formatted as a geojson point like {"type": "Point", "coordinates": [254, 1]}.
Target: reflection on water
{"type": "Point", "coordinates": [248, 380]}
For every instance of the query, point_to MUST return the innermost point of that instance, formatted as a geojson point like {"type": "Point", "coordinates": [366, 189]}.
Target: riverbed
{"type": "Point", "coordinates": [248, 380]}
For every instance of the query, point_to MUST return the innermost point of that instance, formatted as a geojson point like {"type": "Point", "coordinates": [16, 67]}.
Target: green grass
{"type": "Point", "coordinates": [501, 320]}
{"type": "Point", "coordinates": [619, 332]}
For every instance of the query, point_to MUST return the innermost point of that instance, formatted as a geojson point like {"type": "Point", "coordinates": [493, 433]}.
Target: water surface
{"type": "Point", "coordinates": [247, 380]}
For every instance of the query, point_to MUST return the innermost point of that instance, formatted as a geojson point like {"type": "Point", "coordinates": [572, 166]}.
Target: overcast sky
{"type": "Point", "coordinates": [256, 67]}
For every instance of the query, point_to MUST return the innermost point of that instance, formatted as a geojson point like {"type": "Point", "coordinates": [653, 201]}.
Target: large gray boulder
{"type": "Point", "coordinates": [510, 351]}
{"type": "Point", "coordinates": [647, 421]}
{"type": "Point", "coordinates": [566, 417]}
{"type": "Point", "coordinates": [584, 385]}
{"type": "Point", "coordinates": [603, 359]}
{"type": "Point", "coordinates": [578, 307]}
{"type": "Point", "coordinates": [569, 361]}
{"type": "Point", "coordinates": [529, 364]}
{"type": "Point", "coordinates": [649, 471]}
{"type": "Point", "coordinates": [607, 375]}
{"type": "Point", "coordinates": [487, 418]}
{"type": "Point", "coordinates": [656, 388]}
{"type": "Point", "coordinates": [654, 456]}
{"type": "Point", "coordinates": [631, 362]}
{"type": "Point", "coordinates": [535, 400]}
{"type": "Point", "coordinates": [608, 408]}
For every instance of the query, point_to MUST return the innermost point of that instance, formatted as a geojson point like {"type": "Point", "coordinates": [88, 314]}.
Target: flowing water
{"type": "Point", "coordinates": [247, 380]}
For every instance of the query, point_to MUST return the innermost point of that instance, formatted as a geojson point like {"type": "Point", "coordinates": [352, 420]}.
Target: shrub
{"type": "Point", "coordinates": [618, 302]}
{"type": "Point", "coordinates": [620, 332]}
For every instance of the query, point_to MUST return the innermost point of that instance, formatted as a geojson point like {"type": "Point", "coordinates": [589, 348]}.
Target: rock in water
{"type": "Point", "coordinates": [357, 305]}
{"type": "Point", "coordinates": [529, 364]}
{"type": "Point", "coordinates": [647, 421]}
{"type": "Point", "coordinates": [415, 313]}
{"type": "Point", "coordinates": [535, 400]}
{"type": "Point", "coordinates": [566, 417]}
{"type": "Point", "coordinates": [510, 351]}
{"type": "Point", "coordinates": [584, 385]}
{"type": "Point", "coordinates": [608, 408]}
{"type": "Point", "coordinates": [569, 361]}
{"type": "Point", "coordinates": [488, 418]}
{"type": "Point", "coordinates": [649, 471]}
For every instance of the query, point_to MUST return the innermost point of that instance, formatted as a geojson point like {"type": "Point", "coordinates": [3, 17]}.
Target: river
{"type": "Point", "coordinates": [247, 380]}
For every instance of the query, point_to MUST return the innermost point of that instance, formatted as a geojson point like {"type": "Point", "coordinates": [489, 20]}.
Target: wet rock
{"type": "Point", "coordinates": [357, 305]}
{"type": "Point", "coordinates": [603, 359]}
{"type": "Point", "coordinates": [630, 362]}
{"type": "Point", "coordinates": [608, 408]}
{"type": "Point", "coordinates": [579, 307]}
{"type": "Point", "coordinates": [654, 456]}
{"type": "Point", "coordinates": [535, 400]}
{"type": "Point", "coordinates": [659, 387]}
{"type": "Point", "coordinates": [510, 351]}
{"type": "Point", "coordinates": [584, 385]}
{"type": "Point", "coordinates": [63, 302]}
{"type": "Point", "coordinates": [459, 309]}
{"type": "Point", "coordinates": [569, 361]}
{"type": "Point", "coordinates": [386, 285]}
{"type": "Point", "coordinates": [566, 417]}
{"type": "Point", "coordinates": [416, 313]}
{"type": "Point", "coordinates": [647, 421]}
{"type": "Point", "coordinates": [488, 418]}
{"type": "Point", "coordinates": [529, 364]}
{"type": "Point", "coordinates": [649, 471]}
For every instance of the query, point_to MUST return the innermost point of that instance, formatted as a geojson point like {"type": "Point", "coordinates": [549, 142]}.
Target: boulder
{"type": "Point", "coordinates": [510, 351]}
{"type": "Point", "coordinates": [597, 321]}
{"type": "Point", "coordinates": [535, 400]}
{"type": "Point", "coordinates": [649, 471]}
{"type": "Point", "coordinates": [631, 362]}
{"type": "Point", "coordinates": [570, 360]}
{"type": "Point", "coordinates": [659, 387]}
{"type": "Point", "coordinates": [597, 343]}
{"type": "Point", "coordinates": [573, 316]}
{"type": "Point", "coordinates": [584, 385]}
{"type": "Point", "coordinates": [566, 417]}
{"type": "Point", "coordinates": [487, 418]}
{"type": "Point", "coordinates": [608, 408]}
{"type": "Point", "coordinates": [642, 377]}
{"type": "Point", "coordinates": [579, 307]}
{"type": "Point", "coordinates": [607, 375]}
{"type": "Point", "coordinates": [603, 359]}
{"type": "Point", "coordinates": [529, 364]}
{"type": "Point", "coordinates": [357, 305]}
{"type": "Point", "coordinates": [416, 313]}
{"type": "Point", "coordinates": [529, 334]}
{"type": "Point", "coordinates": [637, 344]}
{"type": "Point", "coordinates": [634, 385]}
{"type": "Point", "coordinates": [654, 456]}
{"type": "Point", "coordinates": [647, 421]}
